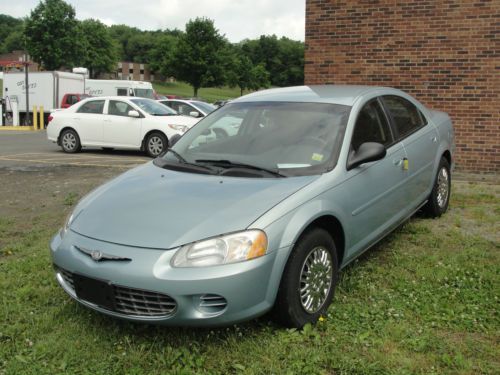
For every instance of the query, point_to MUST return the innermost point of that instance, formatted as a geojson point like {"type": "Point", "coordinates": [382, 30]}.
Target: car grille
{"type": "Point", "coordinates": [212, 303]}
{"type": "Point", "coordinates": [133, 302]}
{"type": "Point", "coordinates": [143, 303]}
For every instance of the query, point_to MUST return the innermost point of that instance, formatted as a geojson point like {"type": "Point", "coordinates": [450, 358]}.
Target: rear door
{"type": "Point", "coordinates": [375, 197]}
{"type": "Point", "coordinates": [120, 129]}
{"type": "Point", "coordinates": [88, 120]}
{"type": "Point", "coordinates": [420, 140]}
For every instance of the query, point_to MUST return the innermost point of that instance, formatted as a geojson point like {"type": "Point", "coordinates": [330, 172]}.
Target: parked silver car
{"type": "Point", "coordinates": [223, 229]}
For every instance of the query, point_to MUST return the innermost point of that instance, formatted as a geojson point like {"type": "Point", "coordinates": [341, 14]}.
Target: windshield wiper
{"type": "Point", "coordinates": [229, 164]}
{"type": "Point", "coordinates": [184, 161]}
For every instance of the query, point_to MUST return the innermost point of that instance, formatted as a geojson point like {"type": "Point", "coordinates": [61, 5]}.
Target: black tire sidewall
{"type": "Point", "coordinates": [163, 138]}
{"type": "Point", "coordinates": [288, 308]}
{"type": "Point", "coordinates": [77, 145]}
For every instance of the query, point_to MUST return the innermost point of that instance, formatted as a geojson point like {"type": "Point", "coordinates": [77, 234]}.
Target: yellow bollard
{"type": "Point", "coordinates": [42, 118]}
{"type": "Point", "coordinates": [35, 118]}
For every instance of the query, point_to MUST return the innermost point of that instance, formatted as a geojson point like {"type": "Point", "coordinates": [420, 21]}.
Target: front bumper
{"type": "Point", "coordinates": [210, 296]}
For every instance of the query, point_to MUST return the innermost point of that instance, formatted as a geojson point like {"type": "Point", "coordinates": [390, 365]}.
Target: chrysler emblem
{"type": "Point", "coordinates": [96, 255]}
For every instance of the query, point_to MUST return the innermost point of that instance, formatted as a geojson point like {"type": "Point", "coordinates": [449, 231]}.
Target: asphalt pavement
{"type": "Point", "coordinates": [32, 148]}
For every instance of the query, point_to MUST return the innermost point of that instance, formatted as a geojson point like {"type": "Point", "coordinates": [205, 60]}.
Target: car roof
{"type": "Point", "coordinates": [116, 97]}
{"type": "Point", "coordinates": [334, 94]}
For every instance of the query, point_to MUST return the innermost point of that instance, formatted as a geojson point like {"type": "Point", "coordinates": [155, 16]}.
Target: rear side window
{"type": "Point", "coordinates": [407, 118]}
{"type": "Point", "coordinates": [121, 92]}
{"type": "Point", "coordinates": [94, 106]}
{"type": "Point", "coordinates": [371, 126]}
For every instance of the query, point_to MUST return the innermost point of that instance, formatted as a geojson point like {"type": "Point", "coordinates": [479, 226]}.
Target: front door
{"type": "Point", "coordinates": [375, 198]}
{"type": "Point", "coordinates": [119, 128]}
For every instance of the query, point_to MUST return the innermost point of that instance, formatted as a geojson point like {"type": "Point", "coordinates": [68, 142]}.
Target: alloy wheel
{"type": "Point", "coordinates": [442, 187]}
{"type": "Point", "coordinates": [316, 279]}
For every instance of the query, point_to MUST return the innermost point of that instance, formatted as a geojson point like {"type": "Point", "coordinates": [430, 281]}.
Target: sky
{"type": "Point", "coordinates": [236, 19]}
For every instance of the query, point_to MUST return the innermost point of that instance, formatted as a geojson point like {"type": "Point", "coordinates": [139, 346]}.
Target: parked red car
{"type": "Point", "coordinates": [69, 99]}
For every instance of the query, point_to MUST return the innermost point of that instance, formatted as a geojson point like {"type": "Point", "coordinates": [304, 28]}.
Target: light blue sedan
{"type": "Point", "coordinates": [223, 229]}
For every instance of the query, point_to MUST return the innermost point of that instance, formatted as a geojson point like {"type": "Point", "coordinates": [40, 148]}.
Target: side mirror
{"type": "Point", "coordinates": [194, 114]}
{"type": "Point", "coordinates": [367, 152]}
{"type": "Point", "coordinates": [173, 139]}
{"type": "Point", "coordinates": [133, 113]}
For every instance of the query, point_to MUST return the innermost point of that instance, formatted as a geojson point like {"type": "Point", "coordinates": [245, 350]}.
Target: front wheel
{"type": "Point", "coordinates": [309, 280]}
{"type": "Point", "coordinates": [156, 143]}
{"type": "Point", "coordinates": [70, 141]}
{"type": "Point", "coordinates": [440, 196]}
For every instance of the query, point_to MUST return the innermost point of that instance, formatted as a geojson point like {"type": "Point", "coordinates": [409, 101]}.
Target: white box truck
{"type": "Point", "coordinates": [111, 87]}
{"type": "Point", "coordinates": [45, 89]}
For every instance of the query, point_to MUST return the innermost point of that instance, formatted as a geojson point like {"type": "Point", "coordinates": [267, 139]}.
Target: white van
{"type": "Point", "coordinates": [109, 87]}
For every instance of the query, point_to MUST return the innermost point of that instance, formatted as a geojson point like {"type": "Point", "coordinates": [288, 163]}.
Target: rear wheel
{"type": "Point", "coordinates": [155, 144]}
{"type": "Point", "coordinates": [70, 141]}
{"type": "Point", "coordinates": [309, 280]}
{"type": "Point", "coordinates": [440, 196]}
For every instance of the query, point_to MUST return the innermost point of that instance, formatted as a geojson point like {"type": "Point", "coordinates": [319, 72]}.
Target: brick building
{"type": "Point", "coordinates": [13, 62]}
{"type": "Point", "coordinates": [134, 71]}
{"type": "Point", "coordinates": [444, 52]}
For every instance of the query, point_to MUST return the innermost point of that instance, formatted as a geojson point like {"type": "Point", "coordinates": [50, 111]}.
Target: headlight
{"type": "Point", "coordinates": [231, 248]}
{"type": "Point", "coordinates": [179, 128]}
{"type": "Point", "coordinates": [67, 223]}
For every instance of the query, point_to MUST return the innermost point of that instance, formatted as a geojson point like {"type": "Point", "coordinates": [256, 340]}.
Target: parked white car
{"type": "Point", "coordinates": [193, 108]}
{"type": "Point", "coordinates": [117, 122]}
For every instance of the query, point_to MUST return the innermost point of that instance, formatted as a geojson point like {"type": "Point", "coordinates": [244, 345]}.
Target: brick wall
{"type": "Point", "coordinates": [444, 52]}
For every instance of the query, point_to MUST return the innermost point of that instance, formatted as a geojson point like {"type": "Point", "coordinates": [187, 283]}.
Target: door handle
{"type": "Point", "coordinates": [398, 162]}
{"type": "Point", "coordinates": [434, 139]}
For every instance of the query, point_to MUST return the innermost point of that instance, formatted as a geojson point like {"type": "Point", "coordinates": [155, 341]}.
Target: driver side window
{"type": "Point", "coordinates": [371, 126]}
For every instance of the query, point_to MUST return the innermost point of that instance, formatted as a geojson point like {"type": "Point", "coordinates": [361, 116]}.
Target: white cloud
{"type": "Point", "coordinates": [237, 19]}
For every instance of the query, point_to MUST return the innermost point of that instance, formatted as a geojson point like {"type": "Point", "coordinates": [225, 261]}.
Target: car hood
{"type": "Point", "coordinates": [152, 207]}
{"type": "Point", "coordinates": [175, 120]}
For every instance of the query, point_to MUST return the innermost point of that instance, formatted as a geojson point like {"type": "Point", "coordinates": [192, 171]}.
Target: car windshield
{"type": "Point", "coordinates": [144, 93]}
{"type": "Point", "coordinates": [153, 108]}
{"type": "Point", "coordinates": [205, 107]}
{"type": "Point", "coordinates": [282, 137]}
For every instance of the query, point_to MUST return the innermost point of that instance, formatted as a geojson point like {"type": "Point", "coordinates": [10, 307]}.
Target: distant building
{"type": "Point", "coordinates": [14, 62]}
{"type": "Point", "coordinates": [134, 71]}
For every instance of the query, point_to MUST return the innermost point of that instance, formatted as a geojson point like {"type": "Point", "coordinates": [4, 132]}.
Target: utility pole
{"type": "Point", "coordinates": [27, 121]}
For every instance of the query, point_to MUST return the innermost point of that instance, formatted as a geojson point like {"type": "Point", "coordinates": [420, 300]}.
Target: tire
{"type": "Point", "coordinates": [439, 199]}
{"type": "Point", "coordinates": [70, 141]}
{"type": "Point", "coordinates": [155, 144]}
{"type": "Point", "coordinates": [313, 255]}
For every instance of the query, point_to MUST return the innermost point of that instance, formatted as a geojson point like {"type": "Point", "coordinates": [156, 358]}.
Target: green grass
{"type": "Point", "coordinates": [424, 301]}
{"type": "Point", "coordinates": [185, 90]}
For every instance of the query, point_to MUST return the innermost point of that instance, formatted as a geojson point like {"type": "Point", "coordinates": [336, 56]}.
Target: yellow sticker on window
{"type": "Point", "coordinates": [317, 157]}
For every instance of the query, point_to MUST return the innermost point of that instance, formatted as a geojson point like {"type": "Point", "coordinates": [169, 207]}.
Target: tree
{"type": "Point", "coordinates": [198, 58]}
{"type": "Point", "coordinates": [98, 52]}
{"type": "Point", "coordinates": [247, 76]}
{"type": "Point", "coordinates": [160, 55]}
{"type": "Point", "coordinates": [10, 33]}
{"type": "Point", "coordinates": [122, 34]}
{"type": "Point", "coordinates": [51, 34]}
{"type": "Point", "coordinates": [283, 58]}
{"type": "Point", "coordinates": [14, 41]}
